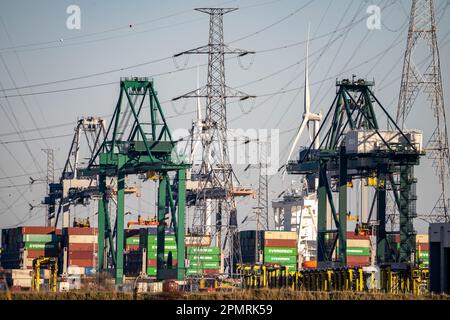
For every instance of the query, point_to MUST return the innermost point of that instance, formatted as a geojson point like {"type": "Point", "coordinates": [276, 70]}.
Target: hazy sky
{"type": "Point", "coordinates": [37, 47]}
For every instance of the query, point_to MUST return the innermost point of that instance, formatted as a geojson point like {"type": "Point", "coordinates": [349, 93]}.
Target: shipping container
{"type": "Point", "coordinates": [354, 251]}
{"type": "Point", "coordinates": [82, 255]}
{"type": "Point", "coordinates": [82, 262]}
{"type": "Point", "coordinates": [358, 243]}
{"type": "Point", "coordinates": [280, 243]}
{"type": "Point", "coordinates": [41, 245]}
{"type": "Point", "coordinates": [280, 259]}
{"type": "Point", "coordinates": [83, 239]}
{"type": "Point", "coordinates": [204, 257]}
{"type": "Point", "coordinates": [83, 247]}
{"type": "Point", "coordinates": [203, 250]}
{"type": "Point", "coordinates": [280, 235]}
{"type": "Point", "coordinates": [80, 231]}
{"type": "Point", "coordinates": [38, 238]}
{"type": "Point", "coordinates": [38, 230]}
{"type": "Point", "coordinates": [280, 251]}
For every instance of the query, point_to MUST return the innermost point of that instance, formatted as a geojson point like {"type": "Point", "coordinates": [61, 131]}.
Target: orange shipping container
{"type": "Point", "coordinates": [81, 231]}
{"type": "Point", "coordinates": [85, 263]}
{"type": "Point", "coordinates": [83, 247]}
{"type": "Point", "coordinates": [38, 230]}
{"type": "Point", "coordinates": [280, 243]}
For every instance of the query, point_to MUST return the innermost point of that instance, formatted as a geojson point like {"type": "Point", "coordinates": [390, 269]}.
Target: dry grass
{"type": "Point", "coordinates": [261, 294]}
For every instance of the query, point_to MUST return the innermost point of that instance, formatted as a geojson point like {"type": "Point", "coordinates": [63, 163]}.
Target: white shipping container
{"type": "Point", "coordinates": [83, 239]}
{"type": "Point", "coordinates": [19, 273]}
{"type": "Point", "coordinates": [422, 238]}
{"type": "Point", "coordinates": [361, 243]}
{"type": "Point", "coordinates": [280, 235]}
{"type": "Point", "coordinates": [75, 270]}
{"type": "Point", "coordinates": [22, 282]}
{"type": "Point", "coordinates": [366, 141]}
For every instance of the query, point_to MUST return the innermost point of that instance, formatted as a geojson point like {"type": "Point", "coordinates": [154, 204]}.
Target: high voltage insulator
{"type": "Point", "coordinates": [428, 81]}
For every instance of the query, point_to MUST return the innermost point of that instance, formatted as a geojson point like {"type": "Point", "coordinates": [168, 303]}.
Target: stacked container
{"type": "Point", "coordinates": [280, 247]}
{"type": "Point", "coordinates": [203, 260]}
{"type": "Point", "coordinates": [132, 259]}
{"type": "Point", "coordinates": [422, 249]}
{"type": "Point", "coordinates": [23, 244]}
{"type": "Point", "coordinates": [358, 250]}
{"type": "Point", "coordinates": [82, 250]}
{"type": "Point", "coordinates": [274, 247]}
{"type": "Point", "coordinates": [148, 240]}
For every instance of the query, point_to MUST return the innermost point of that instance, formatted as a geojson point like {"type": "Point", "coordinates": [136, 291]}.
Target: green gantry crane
{"type": "Point", "coordinates": [138, 140]}
{"type": "Point", "coordinates": [354, 147]}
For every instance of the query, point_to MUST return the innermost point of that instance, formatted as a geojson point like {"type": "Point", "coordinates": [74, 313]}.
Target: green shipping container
{"type": "Point", "coordinates": [291, 267]}
{"type": "Point", "coordinates": [167, 247]}
{"type": "Point", "coordinates": [355, 251]}
{"type": "Point", "coordinates": [272, 251]}
{"type": "Point", "coordinates": [152, 255]}
{"type": "Point", "coordinates": [424, 254]}
{"type": "Point", "coordinates": [191, 272]}
{"type": "Point", "coordinates": [40, 245]}
{"type": "Point", "coordinates": [203, 250]}
{"type": "Point", "coordinates": [151, 271]}
{"type": "Point", "coordinates": [38, 238]}
{"type": "Point", "coordinates": [167, 239]}
{"type": "Point", "coordinates": [133, 241]}
{"type": "Point", "coordinates": [205, 264]}
{"type": "Point", "coordinates": [280, 259]}
{"type": "Point", "coordinates": [204, 257]}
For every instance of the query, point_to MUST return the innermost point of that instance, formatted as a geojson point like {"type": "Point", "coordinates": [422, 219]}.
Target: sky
{"type": "Point", "coordinates": [51, 75]}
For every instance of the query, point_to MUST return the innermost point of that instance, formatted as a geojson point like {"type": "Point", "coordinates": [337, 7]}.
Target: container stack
{"type": "Point", "coordinates": [132, 259]}
{"type": "Point", "coordinates": [82, 250]}
{"type": "Point", "coordinates": [248, 243]}
{"type": "Point", "coordinates": [23, 244]}
{"type": "Point", "coordinates": [358, 250]}
{"type": "Point", "coordinates": [148, 240]}
{"type": "Point", "coordinates": [203, 260]}
{"type": "Point", "coordinates": [274, 247]}
{"type": "Point", "coordinates": [280, 247]}
{"type": "Point", "coordinates": [422, 249]}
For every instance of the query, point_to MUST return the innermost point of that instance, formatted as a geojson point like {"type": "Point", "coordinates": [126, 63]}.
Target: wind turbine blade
{"type": "Point", "coordinates": [307, 97]}
{"type": "Point", "coordinates": [297, 137]}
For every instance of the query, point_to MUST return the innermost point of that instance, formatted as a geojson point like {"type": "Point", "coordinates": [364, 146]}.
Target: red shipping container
{"type": "Point", "coordinates": [358, 259]}
{"type": "Point", "coordinates": [152, 263]}
{"type": "Point", "coordinates": [43, 253]}
{"type": "Point", "coordinates": [353, 236]}
{"type": "Point", "coordinates": [423, 246]}
{"type": "Point", "coordinates": [211, 271]}
{"type": "Point", "coordinates": [357, 264]}
{"type": "Point", "coordinates": [280, 243]}
{"type": "Point", "coordinates": [84, 263]}
{"type": "Point", "coordinates": [81, 231]}
{"type": "Point", "coordinates": [37, 230]}
{"type": "Point", "coordinates": [82, 255]}
{"type": "Point", "coordinates": [132, 247]}
{"type": "Point", "coordinates": [83, 247]}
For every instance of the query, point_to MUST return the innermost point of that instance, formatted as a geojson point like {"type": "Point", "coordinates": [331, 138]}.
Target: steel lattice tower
{"type": "Point", "coordinates": [263, 185]}
{"type": "Point", "coordinates": [214, 195]}
{"type": "Point", "coordinates": [428, 80]}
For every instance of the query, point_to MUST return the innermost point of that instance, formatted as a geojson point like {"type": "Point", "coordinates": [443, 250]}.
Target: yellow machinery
{"type": "Point", "coordinates": [45, 263]}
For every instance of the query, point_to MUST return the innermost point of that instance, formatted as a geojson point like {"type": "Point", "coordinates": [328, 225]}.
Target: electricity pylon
{"type": "Point", "coordinates": [214, 191]}
{"type": "Point", "coordinates": [426, 79]}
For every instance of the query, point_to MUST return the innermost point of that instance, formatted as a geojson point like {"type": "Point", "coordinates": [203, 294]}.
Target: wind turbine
{"type": "Point", "coordinates": [308, 116]}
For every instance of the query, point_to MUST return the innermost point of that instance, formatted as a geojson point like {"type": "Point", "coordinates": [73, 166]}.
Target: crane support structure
{"type": "Point", "coordinates": [354, 147]}
{"type": "Point", "coordinates": [137, 142]}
